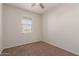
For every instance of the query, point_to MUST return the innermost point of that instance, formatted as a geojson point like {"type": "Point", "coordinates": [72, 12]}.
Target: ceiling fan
{"type": "Point", "coordinates": [40, 4]}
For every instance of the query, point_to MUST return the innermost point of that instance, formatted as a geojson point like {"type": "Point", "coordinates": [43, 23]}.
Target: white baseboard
{"type": "Point", "coordinates": [61, 47]}
{"type": "Point", "coordinates": [20, 44]}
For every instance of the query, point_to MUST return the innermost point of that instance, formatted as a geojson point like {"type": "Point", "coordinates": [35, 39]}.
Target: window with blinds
{"type": "Point", "coordinates": [26, 25]}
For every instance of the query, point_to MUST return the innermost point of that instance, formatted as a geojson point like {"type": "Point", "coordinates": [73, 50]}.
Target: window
{"type": "Point", "coordinates": [26, 25]}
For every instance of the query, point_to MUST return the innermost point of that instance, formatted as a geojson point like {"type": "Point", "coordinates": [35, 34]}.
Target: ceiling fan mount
{"type": "Point", "coordinates": [40, 4]}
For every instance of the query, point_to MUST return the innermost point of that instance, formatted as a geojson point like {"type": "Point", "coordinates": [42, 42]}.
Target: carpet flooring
{"type": "Point", "coordinates": [37, 49]}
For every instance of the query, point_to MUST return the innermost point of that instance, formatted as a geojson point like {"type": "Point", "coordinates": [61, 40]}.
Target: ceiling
{"type": "Point", "coordinates": [36, 9]}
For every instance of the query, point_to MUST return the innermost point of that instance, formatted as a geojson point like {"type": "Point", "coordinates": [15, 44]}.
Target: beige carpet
{"type": "Point", "coordinates": [37, 49]}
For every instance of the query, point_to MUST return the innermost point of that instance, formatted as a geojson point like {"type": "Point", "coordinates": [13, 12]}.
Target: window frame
{"type": "Point", "coordinates": [25, 18]}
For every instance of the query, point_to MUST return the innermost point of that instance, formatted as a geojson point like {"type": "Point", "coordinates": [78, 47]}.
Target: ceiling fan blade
{"type": "Point", "coordinates": [41, 5]}
{"type": "Point", "coordinates": [33, 4]}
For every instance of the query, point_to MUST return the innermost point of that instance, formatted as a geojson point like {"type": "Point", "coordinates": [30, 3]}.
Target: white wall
{"type": "Point", "coordinates": [0, 27]}
{"type": "Point", "coordinates": [13, 35]}
{"type": "Point", "coordinates": [61, 27]}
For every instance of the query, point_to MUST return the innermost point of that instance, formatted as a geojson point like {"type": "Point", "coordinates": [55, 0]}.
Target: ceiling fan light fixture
{"type": "Point", "coordinates": [36, 4]}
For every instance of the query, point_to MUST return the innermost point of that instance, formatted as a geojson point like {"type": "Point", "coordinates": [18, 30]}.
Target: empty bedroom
{"type": "Point", "coordinates": [39, 29]}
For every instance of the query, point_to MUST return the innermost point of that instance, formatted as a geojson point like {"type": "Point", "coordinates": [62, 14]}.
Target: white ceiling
{"type": "Point", "coordinates": [36, 9]}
